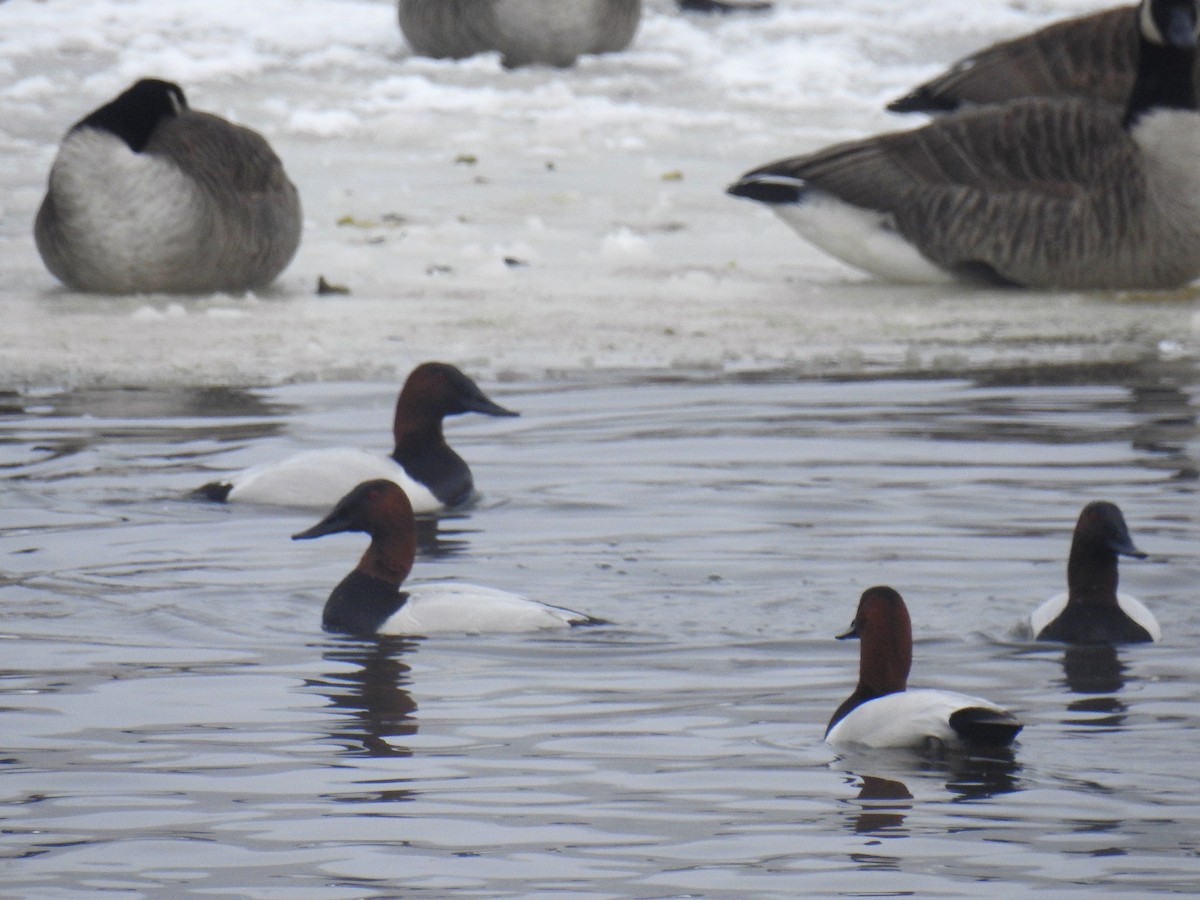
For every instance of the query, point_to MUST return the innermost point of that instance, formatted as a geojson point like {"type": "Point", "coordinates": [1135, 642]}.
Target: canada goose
{"type": "Point", "coordinates": [1049, 193]}
{"type": "Point", "coordinates": [551, 32]}
{"type": "Point", "coordinates": [1087, 56]}
{"type": "Point", "coordinates": [147, 195]}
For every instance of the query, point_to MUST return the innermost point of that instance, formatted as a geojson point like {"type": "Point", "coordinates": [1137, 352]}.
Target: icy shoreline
{"type": "Point", "coordinates": [530, 222]}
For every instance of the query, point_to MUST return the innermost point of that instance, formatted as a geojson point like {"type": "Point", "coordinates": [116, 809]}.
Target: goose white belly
{"type": "Point", "coordinates": [320, 478]}
{"type": "Point", "coordinates": [863, 238]}
{"type": "Point", "coordinates": [904, 719]}
{"type": "Point", "coordinates": [126, 219]}
{"type": "Point", "coordinates": [1131, 606]}
{"type": "Point", "coordinates": [452, 608]}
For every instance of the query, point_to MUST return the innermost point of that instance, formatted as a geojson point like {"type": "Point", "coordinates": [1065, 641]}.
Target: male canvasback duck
{"type": "Point", "coordinates": [432, 474]}
{"type": "Point", "coordinates": [1041, 192]}
{"type": "Point", "coordinates": [148, 195]}
{"type": "Point", "coordinates": [550, 32]}
{"type": "Point", "coordinates": [883, 713]}
{"type": "Point", "coordinates": [369, 599]}
{"type": "Point", "coordinates": [1091, 611]}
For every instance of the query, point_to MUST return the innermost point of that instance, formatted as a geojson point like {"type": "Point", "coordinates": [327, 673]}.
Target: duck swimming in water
{"type": "Point", "coordinates": [1091, 611]}
{"type": "Point", "coordinates": [882, 712]}
{"type": "Point", "coordinates": [369, 600]}
{"type": "Point", "coordinates": [432, 474]}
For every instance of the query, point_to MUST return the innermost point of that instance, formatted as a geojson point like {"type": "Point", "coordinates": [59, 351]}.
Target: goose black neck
{"type": "Point", "coordinates": [134, 115]}
{"type": "Point", "coordinates": [1164, 81]}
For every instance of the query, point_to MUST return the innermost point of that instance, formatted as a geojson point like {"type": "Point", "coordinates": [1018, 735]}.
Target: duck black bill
{"type": "Point", "coordinates": [334, 523]}
{"type": "Point", "coordinates": [488, 408]}
{"type": "Point", "coordinates": [848, 635]}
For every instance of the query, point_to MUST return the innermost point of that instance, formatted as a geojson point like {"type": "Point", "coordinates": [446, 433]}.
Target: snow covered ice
{"type": "Point", "coordinates": [524, 222]}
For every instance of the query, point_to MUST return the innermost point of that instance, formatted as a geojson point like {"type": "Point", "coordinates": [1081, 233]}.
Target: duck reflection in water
{"type": "Point", "coordinates": [371, 701]}
{"type": "Point", "coordinates": [883, 804]}
{"type": "Point", "coordinates": [884, 798]}
{"type": "Point", "coordinates": [1095, 670]}
{"type": "Point", "coordinates": [437, 539]}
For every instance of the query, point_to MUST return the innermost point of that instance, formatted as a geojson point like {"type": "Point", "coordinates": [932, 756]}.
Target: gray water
{"type": "Point", "coordinates": [175, 723]}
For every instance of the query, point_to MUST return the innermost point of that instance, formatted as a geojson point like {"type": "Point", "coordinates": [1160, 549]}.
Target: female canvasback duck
{"type": "Point", "coordinates": [1091, 611]}
{"type": "Point", "coordinates": [148, 195]}
{"type": "Point", "coordinates": [988, 194]}
{"type": "Point", "coordinates": [432, 474]}
{"type": "Point", "coordinates": [549, 32]}
{"type": "Point", "coordinates": [369, 599]}
{"type": "Point", "coordinates": [883, 713]}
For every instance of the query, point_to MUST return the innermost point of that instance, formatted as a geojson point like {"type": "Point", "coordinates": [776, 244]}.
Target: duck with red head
{"type": "Point", "coordinates": [431, 473]}
{"type": "Point", "coordinates": [882, 712]}
{"type": "Point", "coordinates": [1091, 611]}
{"type": "Point", "coordinates": [369, 600]}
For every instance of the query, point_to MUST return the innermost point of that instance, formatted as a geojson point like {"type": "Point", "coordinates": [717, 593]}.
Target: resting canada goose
{"type": "Point", "coordinates": [1049, 193]}
{"type": "Point", "coordinates": [551, 32]}
{"type": "Point", "coordinates": [147, 195]}
{"type": "Point", "coordinates": [1086, 56]}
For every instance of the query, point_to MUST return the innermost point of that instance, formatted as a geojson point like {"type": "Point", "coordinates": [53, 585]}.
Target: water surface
{"type": "Point", "coordinates": [176, 723]}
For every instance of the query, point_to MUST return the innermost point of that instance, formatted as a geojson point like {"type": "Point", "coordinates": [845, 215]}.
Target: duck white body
{"type": "Point", "coordinates": [882, 712]}
{"type": "Point", "coordinates": [906, 719]}
{"type": "Point", "coordinates": [319, 478]}
{"type": "Point", "coordinates": [1131, 606]}
{"type": "Point", "coordinates": [369, 601]}
{"type": "Point", "coordinates": [431, 474]}
{"type": "Point", "coordinates": [452, 608]}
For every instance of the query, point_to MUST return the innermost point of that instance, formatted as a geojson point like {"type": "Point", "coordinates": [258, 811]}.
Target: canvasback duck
{"type": "Point", "coordinates": [524, 32]}
{"type": "Point", "coordinates": [148, 195]}
{"type": "Point", "coordinates": [883, 713]}
{"type": "Point", "coordinates": [1091, 611]}
{"type": "Point", "coordinates": [987, 194]}
{"type": "Point", "coordinates": [369, 599]}
{"type": "Point", "coordinates": [433, 475]}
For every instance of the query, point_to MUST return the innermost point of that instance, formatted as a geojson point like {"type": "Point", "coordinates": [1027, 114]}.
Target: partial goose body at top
{"type": "Point", "coordinates": [1086, 56]}
{"type": "Point", "coordinates": [369, 601]}
{"type": "Point", "coordinates": [1093, 56]}
{"type": "Point", "coordinates": [432, 474]}
{"type": "Point", "coordinates": [1040, 192]}
{"type": "Point", "coordinates": [524, 32]}
{"type": "Point", "coordinates": [148, 195]}
{"type": "Point", "coordinates": [882, 712]}
{"type": "Point", "coordinates": [1092, 611]}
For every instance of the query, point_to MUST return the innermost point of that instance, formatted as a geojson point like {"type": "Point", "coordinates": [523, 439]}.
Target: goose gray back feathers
{"type": "Point", "coordinates": [204, 206]}
{"type": "Point", "coordinates": [1040, 192]}
{"type": "Point", "coordinates": [551, 32]}
{"type": "Point", "coordinates": [1088, 56]}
